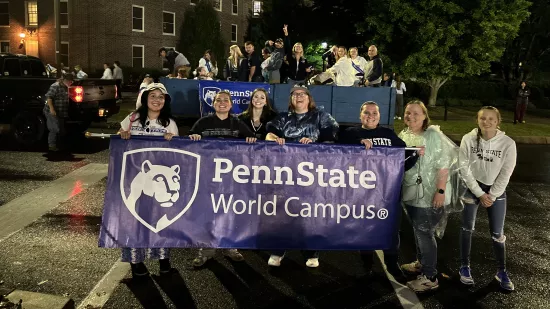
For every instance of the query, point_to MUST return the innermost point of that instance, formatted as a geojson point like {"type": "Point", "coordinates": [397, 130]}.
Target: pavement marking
{"type": "Point", "coordinates": [103, 290]}
{"type": "Point", "coordinates": [25, 209]}
{"type": "Point", "coordinates": [407, 298]}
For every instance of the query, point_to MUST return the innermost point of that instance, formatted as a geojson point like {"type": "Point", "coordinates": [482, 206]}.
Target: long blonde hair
{"type": "Point", "coordinates": [345, 53]}
{"type": "Point", "coordinates": [294, 50]}
{"type": "Point", "coordinates": [235, 54]}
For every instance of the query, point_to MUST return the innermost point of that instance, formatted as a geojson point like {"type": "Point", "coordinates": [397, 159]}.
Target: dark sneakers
{"type": "Point", "coordinates": [165, 266]}
{"type": "Point", "coordinates": [139, 270]}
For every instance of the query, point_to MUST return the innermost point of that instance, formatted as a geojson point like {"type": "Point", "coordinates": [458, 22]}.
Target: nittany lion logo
{"type": "Point", "coordinates": [155, 196]}
{"type": "Point", "coordinates": [209, 93]}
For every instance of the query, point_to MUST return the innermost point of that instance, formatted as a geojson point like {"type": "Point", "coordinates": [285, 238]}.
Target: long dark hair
{"type": "Point", "coordinates": [398, 81]}
{"type": "Point", "coordinates": [212, 59]}
{"type": "Point", "coordinates": [165, 112]}
{"type": "Point", "coordinates": [266, 110]}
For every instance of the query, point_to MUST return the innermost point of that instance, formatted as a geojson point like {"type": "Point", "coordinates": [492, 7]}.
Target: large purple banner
{"type": "Point", "coordinates": [230, 194]}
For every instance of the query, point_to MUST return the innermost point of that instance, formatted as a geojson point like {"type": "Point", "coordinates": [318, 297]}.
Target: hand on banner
{"type": "Point", "coordinates": [168, 136]}
{"type": "Point", "coordinates": [486, 200]}
{"type": "Point", "coordinates": [195, 137]}
{"type": "Point", "coordinates": [438, 200]}
{"type": "Point", "coordinates": [251, 140]}
{"type": "Point", "coordinates": [422, 150]}
{"type": "Point", "coordinates": [124, 134]}
{"type": "Point", "coordinates": [367, 143]}
{"type": "Point", "coordinates": [306, 140]}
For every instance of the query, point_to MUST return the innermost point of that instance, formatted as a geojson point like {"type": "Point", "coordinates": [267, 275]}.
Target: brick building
{"type": "Point", "coordinates": [98, 31]}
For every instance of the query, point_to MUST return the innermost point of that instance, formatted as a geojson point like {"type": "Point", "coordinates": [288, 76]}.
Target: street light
{"type": "Point", "coordinates": [324, 45]}
{"type": "Point", "coordinates": [22, 35]}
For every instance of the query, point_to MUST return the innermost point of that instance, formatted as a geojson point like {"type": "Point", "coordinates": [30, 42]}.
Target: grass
{"type": "Point", "coordinates": [462, 121]}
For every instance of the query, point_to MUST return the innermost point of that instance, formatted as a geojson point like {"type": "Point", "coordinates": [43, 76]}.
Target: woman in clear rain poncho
{"type": "Point", "coordinates": [427, 191]}
{"type": "Point", "coordinates": [304, 123]}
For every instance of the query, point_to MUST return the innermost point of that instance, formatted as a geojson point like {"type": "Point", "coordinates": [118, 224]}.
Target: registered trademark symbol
{"type": "Point", "coordinates": [382, 213]}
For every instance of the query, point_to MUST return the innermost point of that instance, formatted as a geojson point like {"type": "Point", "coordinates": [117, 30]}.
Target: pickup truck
{"type": "Point", "coordinates": [24, 81]}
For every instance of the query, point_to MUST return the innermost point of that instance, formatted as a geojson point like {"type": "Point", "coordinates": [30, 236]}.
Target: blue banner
{"type": "Point", "coordinates": [240, 93]}
{"type": "Point", "coordinates": [230, 194]}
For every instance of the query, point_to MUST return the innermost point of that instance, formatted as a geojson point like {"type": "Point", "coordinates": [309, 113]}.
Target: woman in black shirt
{"type": "Point", "coordinates": [258, 113]}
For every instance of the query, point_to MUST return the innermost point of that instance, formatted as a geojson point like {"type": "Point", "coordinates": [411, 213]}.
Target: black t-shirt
{"type": "Point", "coordinates": [212, 126]}
{"type": "Point", "coordinates": [380, 137]}
{"type": "Point", "coordinates": [261, 131]}
{"type": "Point", "coordinates": [254, 61]}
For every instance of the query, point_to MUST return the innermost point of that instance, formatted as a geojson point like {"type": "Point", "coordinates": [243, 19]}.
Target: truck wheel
{"type": "Point", "coordinates": [28, 128]}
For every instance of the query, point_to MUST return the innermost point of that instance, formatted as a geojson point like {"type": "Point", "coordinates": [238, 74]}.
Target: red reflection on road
{"type": "Point", "coordinates": [77, 188]}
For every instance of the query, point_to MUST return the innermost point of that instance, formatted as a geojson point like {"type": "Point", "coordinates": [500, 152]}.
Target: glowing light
{"type": "Point", "coordinates": [324, 45]}
{"type": "Point", "coordinates": [22, 35]}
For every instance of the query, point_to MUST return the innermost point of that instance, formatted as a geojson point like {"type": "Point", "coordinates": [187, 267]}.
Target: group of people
{"type": "Point", "coordinates": [487, 159]}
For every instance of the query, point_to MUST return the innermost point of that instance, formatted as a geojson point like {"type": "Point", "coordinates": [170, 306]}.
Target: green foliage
{"type": "Point", "coordinates": [430, 39]}
{"type": "Point", "coordinates": [201, 31]}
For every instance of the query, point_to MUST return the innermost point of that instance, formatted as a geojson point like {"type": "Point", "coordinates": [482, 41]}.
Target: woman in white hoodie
{"type": "Point", "coordinates": [344, 71]}
{"type": "Point", "coordinates": [487, 159]}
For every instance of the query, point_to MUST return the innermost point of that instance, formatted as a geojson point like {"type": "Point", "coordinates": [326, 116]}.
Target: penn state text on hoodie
{"type": "Point", "coordinates": [492, 162]}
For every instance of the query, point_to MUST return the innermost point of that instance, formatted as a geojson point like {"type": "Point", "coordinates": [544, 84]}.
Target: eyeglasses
{"type": "Point", "coordinates": [299, 94]}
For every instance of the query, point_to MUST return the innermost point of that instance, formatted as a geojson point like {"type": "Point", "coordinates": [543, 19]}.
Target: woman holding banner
{"type": "Point", "coordinates": [304, 123]}
{"type": "Point", "coordinates": [153, 118]}
{"type": "Point", "coordinates": [258, 113]}
{"type": "Point", "coordinates": [370, 134]}
{"type": "Point", "coordinates": [426, 191]}
{"type": "Point", "coordinates": [221, 124]}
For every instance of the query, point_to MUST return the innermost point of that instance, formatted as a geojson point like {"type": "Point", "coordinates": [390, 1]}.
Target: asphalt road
{"type": "Point", "coordinates": [57, 253]}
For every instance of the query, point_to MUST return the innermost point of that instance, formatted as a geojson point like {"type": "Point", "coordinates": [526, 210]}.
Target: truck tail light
{"type": "Point", "coordinates": [77, 93]}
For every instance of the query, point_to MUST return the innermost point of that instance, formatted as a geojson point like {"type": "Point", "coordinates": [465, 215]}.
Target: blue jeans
{"type": "Point", "coordinates": [56, 127]}
{"type": "Point", "coordinates": [496, 213]}
{"type": "Point", "coordinates": [424, 221]}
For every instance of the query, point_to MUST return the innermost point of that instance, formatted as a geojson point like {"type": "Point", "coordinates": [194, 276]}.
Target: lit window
{"type": "Point", "coordinates": [137, 18]}
{"type": "Point", "coordinates": [32, 13]}
{"type": "Point", "coordinates": [256, 8]}
{"type": "Point", "coordinates": [168, 21]}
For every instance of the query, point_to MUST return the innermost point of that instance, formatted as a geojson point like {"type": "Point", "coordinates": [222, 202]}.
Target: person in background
{"type": "Point", "coordinates": [153, 118]}
{"type": "Point", "coordinates": [304, 123]}
{"type": "Point", "coordinates": [221, 124]}
{"type": "Point", "coordinates": [208, 62]}
{"type": "Point", "coordinates": [236, 66]}
{"type": "Point", "coordinates": [521, 102]}
{"type": "Point", "coordinates": [203, 74]}
{"type": "Point", "coordinates": [487, 160]}
{"type": "Point", "coordinates": [386, 80]}
{"type": "Point", "coordinates": [343, 69]}
{"type": "Point", "coordinates": [276, 60]}
{"type": "Point", "coordinates": [266, 55]}
{"type": "Point", "coordinates": [119, 77]}
{"type": "Point", "coordinates": [258, 113]}
{"type": "Point", "coordinates": [107, 73]}
{"type": "Point", "coordinates": [56, 109]}
{"type": "Point", "coordinates": [79, 73]}
{"type": "Point", "coordinates": [331, 56]}
{"type": "Point", "coordinates": [359, 64]}
{"type": "Point", "coordinates": [375, 67]}
{"type": "Point", "coordinates": [297, 66]}
{"type": "Point", "coordinates": [370, 134]}
{"type": "Point", "coordinates": [425, 193]}
{"type": "Point", "coordinates": [254, 64]}
{"type": "Point", "coordinates": [147, 80]}
{"type": "Point", "coordinates": [183, 73]}
{"type": "Point", "coordinates": [174, 59]}
{"type": "Point", "coordinates": [399, 89]}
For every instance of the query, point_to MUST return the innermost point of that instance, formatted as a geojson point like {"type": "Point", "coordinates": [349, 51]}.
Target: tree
{"type": "Point", "coordinates": [435, 40]}
{"type": "Point", "coordinates": [200, 31]}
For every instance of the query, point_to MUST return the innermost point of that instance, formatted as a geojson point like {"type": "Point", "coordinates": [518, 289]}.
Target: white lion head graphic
{"type": "Point", "coordinates": [161, 185]}
{"type": "Point", "coordinates": [209, 93]}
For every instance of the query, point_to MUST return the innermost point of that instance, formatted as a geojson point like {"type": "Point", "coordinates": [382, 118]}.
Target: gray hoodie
{"type": "Point", "coordinates": [492, 162]}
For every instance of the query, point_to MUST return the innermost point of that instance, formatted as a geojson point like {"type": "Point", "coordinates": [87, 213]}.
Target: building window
{"type": "Point", "coordinates": [138, 56]}
{"type": "Point", "coordinates": [31, 13]}
{"type": "Point", "coordinates": [235, 7]}
{"type": "Point", "coordinates": [137, 18]}
{"type": "Point", "coordinates": [256, 8]}
{"type": "Point", "coordinates": [64, 13]}
{"type": "Point", "coordinates": [4, 13]}
{"type": "Point", "coordinates": [168, 22]}
{"type": "Point", "coordinates": [4, 46]}
{"type": "Point", "coordinates": [218, 5]}
{"type": "Point", "coordinates": [64, 53]}
{"type": "Point", "coordinates": [233, 33]}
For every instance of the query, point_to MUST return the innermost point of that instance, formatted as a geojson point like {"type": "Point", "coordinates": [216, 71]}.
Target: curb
{"type": "Point", "coordinates": [32, 300]}
{"type": "Point", "coordinates": [535, 140]}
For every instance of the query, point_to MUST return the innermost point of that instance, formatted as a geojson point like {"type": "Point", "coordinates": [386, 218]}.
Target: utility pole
{"type": "Point", "coordinates": [57, 37]}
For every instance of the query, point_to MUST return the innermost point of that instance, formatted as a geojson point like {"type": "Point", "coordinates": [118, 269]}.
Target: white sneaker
{"type": "Point", "coordinates": [423, 284]}
{"type": "Point", "coordinates": [312, 262]}
{"type": "Point", "coordinates": [275, 260]}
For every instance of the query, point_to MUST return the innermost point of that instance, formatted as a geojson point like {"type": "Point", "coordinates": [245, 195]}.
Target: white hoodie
{"type": "Point", "coordinates": [345, 73]}
{"type": "Point", "coordinates": [492, 163]}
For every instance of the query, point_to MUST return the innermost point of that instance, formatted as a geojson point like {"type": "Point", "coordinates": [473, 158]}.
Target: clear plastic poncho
{"type": "Point", "coordinates": [420, 182]}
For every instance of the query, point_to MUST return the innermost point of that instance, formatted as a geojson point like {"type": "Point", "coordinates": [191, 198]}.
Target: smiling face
{"type": "Point", "coordinates": [353, 53]}
{"type": "Point", "coordinates": [207, 56]}
{"type": "Point", "coordinates": [300, 101]}
{"type": "Point", "coordinates": [370, 116]}
{"type": "Point", "coordinates": [259, 99]}
{"type": "Point", "coordinates": [488, 120]}
{"type": "Point", "coordinates": [222, 103]}
{"type": "Point", "coordinates": [298, 48]}
{"type": "Point", "coordinates": [341, 52]}
{"type": "Point", "coordinates": [155, 100]}
{"type": "Point", "coordinates": [414, 117]}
